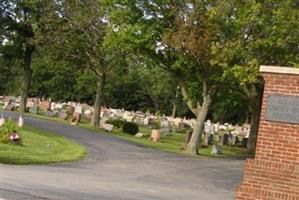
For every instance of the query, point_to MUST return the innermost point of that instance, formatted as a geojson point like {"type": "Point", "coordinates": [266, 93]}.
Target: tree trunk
{"type": "Point", "coordinates": [174, 102]}
{"type": "Point", "coordinates": [98, 101]}
{"type": "Point", "coordinates": [173, 109]}
{"type": "Point", "coordinates": [255, 119]}
{"type": "Point", "coordinates": [201, 112]}
{"type": "Point", "coordinates": [26, 78]}
{"type": "Point", "coordinates": [156, 105]}
{"type": "Point", "coordinates": [194, 143]}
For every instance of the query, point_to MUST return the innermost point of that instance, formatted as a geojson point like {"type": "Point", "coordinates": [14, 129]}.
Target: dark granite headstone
{"type": "Point", "coordinates": [235, 140]}
{"type": "Point", "coordinates": [210, 139]}
{"type": "Point", "coordinates": [224, 139]}
{"type": "Point", "coordinates": [244, 142]}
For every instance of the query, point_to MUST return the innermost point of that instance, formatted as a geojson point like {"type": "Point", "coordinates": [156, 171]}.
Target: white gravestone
{"type": "Point", "coordinates": [21, 121]}
{"type": "Point", "coordinates": [2, 120]}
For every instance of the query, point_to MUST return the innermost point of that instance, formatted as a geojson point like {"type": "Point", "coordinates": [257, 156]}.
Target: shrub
{"type": "Point", "coordinates": [4, 138]}
{"type": "Point", "coordinates": [130, 128]}
{"type": "Point", "coordinates": [182, 131]}
{"type": "Point", "coordinates": [5, 131]}
{"type": "Point", "coordinates": [155, 125]}
{"type": "Point", "coordinates": [117, 123]}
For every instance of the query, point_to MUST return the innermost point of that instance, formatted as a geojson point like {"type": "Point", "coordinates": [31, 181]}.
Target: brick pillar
{"type": "Point", "coordinates": [274, 172]}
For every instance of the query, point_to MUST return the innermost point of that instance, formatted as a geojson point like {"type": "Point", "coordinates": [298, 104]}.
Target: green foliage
{"type": "Point", "coordinates": [141, 88]}
{"type": "Point", "coordinates": [4, 137]}
{"type": "Point", "coordinates": [117, 123]}
{"type": "Point", "coordinates": [130, 128]}
{"type": "Point", "coordinates": [231, 105]}
{"type": "Point", "coordinates": [5, 130]}
{"type": "Point", "coordinates": [155, 125]}
{"type": "Point", "coordinates": [9, 75]}
{"type": "Point", "coordinates": [146, 48]}
{"type": "Point", "coordinates": [53, 78]}
{"type": "Point", "coordinates": [183, 130]}
{"type": "Point", "coordinates": [85, 86]}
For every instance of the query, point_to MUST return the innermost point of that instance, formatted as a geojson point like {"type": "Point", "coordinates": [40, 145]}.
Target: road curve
{"type": "Point", "coordinates": [118, 170]}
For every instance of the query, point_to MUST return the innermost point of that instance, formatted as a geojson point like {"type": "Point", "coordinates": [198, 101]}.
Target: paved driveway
{"type": "Point", "coordinates": [118, 170]}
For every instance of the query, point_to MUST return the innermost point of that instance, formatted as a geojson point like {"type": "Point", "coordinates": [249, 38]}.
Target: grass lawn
{"type": "Point", "coordinates": [172, 143]}
{"type": "Point", "coordinates": [40, 147]}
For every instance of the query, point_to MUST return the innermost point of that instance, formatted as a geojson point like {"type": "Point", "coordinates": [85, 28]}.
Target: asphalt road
{"type": "Point", "coordinates": [118, 170]}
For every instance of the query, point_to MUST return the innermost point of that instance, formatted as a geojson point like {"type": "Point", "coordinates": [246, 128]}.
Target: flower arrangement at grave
{"type": "Point", "coordinates": [8, 132]}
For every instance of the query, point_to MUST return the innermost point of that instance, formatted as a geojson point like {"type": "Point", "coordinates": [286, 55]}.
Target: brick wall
{"type": "Point", "coordinates": [274, 172]}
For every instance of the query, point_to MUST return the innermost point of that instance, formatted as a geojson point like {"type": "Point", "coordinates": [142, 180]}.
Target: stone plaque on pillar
{"type": "Point", "coordinates": [283, 108]}
{"type": "Point", "coordinates": [273, 174]}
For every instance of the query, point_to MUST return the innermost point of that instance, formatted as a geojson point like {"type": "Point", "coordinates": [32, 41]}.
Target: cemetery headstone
{"type": "Point", "coordinates": [62, 115]}
{"type": "Point", "coordinates": [2, 120]}
{"type": "Point", "coordinates": [155, 135]}
{"type": "Point", "coordinates": [49, 113]}
{"type": "Point", "coordinates": [165, 131]}
{"type": "Point", "coordinates": [20, 121]}
{"type": "Point", "coordinates": [224, 139]}
{"type": "Point", "coordinates": [208, 138]}
{"type": "Point", "coordinates": [139, 135]}
{"type": "Point", "coordinates": [233, 140]}
{"type": "Point", "coordinates": [146, 121]}
{"type": "Point", "coordinates": [165, 123]}
{"type": "Point", "coordinates": [108, 127]}
{"type": "Point", "coordinates": [33, 109]}
{"type": "Point", "coordinates": [244, 142]}
{"type": "Point", "coordinates": [216, 150]}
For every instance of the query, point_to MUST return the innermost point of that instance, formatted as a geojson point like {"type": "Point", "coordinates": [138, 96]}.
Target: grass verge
{"type": "Point", "coordinates": [171, 143]}
{"type": "Point", "coordinates": [40, 147]}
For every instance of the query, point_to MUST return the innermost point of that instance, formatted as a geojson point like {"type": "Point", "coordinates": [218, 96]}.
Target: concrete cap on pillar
{"type": "Point", "coordinates": [279, 70]}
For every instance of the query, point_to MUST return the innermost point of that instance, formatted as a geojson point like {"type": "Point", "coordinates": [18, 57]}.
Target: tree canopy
{"type": "Point", "coordinates": [190, 58]}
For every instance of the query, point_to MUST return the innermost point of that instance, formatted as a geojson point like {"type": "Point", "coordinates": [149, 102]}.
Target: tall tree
{"type": "Point", "coordinates": [20, 22]}
{"type": "Point", "coordinates": [185, 38]}
{"type": "Point", "coordinates": [83, 30]}
{"type": "Point", "coordinates": [266, 33]}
